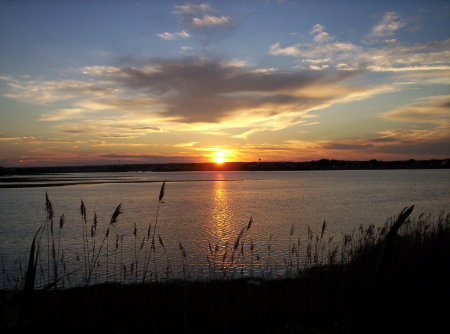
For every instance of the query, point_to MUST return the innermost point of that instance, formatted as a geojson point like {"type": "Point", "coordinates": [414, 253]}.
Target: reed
{"type": "Point", "coordinates": [135, 267]}
{"type": "Point", "coordinates": [30, 275]}
{"type": "Point", "coordinates": [112, 222]}
{"type": "Point", "coordinates": [85, 240]}
{"type": "Point", "coordinates": [151, 236]}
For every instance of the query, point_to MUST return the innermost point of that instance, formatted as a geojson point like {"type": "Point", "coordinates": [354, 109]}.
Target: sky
{"type": "Point", "coordinates": [107, 82]}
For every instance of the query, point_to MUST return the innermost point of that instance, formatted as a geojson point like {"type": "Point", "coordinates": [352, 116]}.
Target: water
{"type": "Point", "coordinates": [202, 207]}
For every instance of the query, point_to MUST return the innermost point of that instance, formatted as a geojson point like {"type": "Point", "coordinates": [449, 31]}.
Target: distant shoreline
{"type": "Point", "coordinates": [323, 164]}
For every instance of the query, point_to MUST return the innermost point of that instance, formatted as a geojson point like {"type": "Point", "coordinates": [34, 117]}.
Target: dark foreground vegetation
{"type": "Point", "coordinates": [323, 164]}
{"type": "Point", "coordinates": [393, 280]}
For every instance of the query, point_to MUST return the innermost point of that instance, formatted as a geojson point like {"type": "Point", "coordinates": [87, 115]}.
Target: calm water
{"type": "Point", "coordinates": [202, 207]}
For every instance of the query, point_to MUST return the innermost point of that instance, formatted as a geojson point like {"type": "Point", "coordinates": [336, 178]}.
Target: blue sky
{"type": "Point", "coordinates": [85, 82]}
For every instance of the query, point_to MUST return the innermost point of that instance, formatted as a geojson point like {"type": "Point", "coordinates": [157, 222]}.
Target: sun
{"type": "Point", "coordinates": [220, 156]}
{"type": "Point", "coordinates": [219, 160]}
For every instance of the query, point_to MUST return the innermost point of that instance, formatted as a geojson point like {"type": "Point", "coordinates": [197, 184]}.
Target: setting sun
{"type": "Point", "coordinates": [219, 160]}
{"type": "Point", "coordinates": [219, 156]}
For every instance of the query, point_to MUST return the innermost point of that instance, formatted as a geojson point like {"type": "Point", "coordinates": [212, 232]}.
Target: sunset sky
{"type": "Point", "coordinates": [98, 82]}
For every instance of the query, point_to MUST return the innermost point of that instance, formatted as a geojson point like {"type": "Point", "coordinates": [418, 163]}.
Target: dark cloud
{"type": "Point", "coordinates": [412, 147]}
{"type": "Point", "coordinates": [430, 148]}
{"type": "Point", "coordinates": [384, 139]}
{"type": "Point", "coordinates": [148, 158]}
{"type": "Point", "coordinates": [268, 148]}
{"type": "Point", "coordinates": [345, 146]}
{"type": "Point", "coordinates": [208, 90]}
{"type": "Point", "coordinates": [145, 128]}
{"type": "Point", "coordinates": [116, 136]}
{"type": "Point", "coordinates": [75, 131]}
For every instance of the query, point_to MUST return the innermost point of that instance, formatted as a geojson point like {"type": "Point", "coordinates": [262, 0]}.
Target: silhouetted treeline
{"type": "Point", "coordinates": [323, 164]}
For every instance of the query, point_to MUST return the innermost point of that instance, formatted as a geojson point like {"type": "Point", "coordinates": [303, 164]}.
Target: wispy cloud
{"type": "Point", "coordinates": [433, 109]}
{"type": "Point", "coordinates": [203, 22]}
{"type": "Point", "coordinates": [319, 34]}
{"type": "Point", "coordinates": [210, 20]}
{"type": "Point", "coordinates": [149, 158]}
{"type": "Point", "coordinates": [64, 114]}
{"type": "Point", "coordinates": [50, 91]}
{"type": "Point", "coordinates": [191, 8]}
{"type": "Point", "coordinates": [323, 52]}
{"type": "Point", "coordinates": [168, 36]}
{"type": "Point", "coordinates": [388, 25]}
{"type": "Point", "coordinates": [186, 48]}
{"type": "Point", "coordinates": [189, 144]}
{"type": "Point", "coordinates": [333, 53]}
{"type": "Point", "coordinates": [390, 144]}
{"type": "Point", "coordinates": [36, 140]}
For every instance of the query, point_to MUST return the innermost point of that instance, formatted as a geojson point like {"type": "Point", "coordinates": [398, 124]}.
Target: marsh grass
{"type": "Point", "coordinates": [335, 290]}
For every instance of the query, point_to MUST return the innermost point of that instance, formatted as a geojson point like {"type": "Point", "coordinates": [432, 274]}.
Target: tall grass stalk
{"type": "Point", "coordinates": [112, 222]}
{"type": "Point", "coordinates": [151, 247]}
{"type": "Point", "coordinates": [30, 275]}
{"type": "Point", "coordinates": [93, 235]}
{"type": "Point", "coordinates": [59, 257]}
{"type": "Point", "coordinates": [49, 211]}
{"type": "Point", "coordinates": [85, 247]}
{"type": "Point", "coordinates": [135, 252]}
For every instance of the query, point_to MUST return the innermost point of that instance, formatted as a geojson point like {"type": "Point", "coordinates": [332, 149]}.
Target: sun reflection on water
{"type": "Point", "coordinates": [221, 227]}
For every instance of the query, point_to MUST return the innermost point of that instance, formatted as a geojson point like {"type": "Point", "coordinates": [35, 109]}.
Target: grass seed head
{"type": "Point", "coordinates": [162, 191]}
{"type": "Point", "coordinates": [83, 211]}
{"type": "Point", "coordinates": [116, 214]}
{"type": "Point", "coordinates": [62, 219]}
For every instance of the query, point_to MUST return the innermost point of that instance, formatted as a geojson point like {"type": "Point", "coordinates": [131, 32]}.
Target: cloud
{"type": "Point", "coordinates": [51, 91]}
{"type": "Point", "coordinates": [323, 53]}
{"type": "Point", "coordinates": [346, 146]}
{"type": "Point", "coordinates": [336, 52]}
{"type": "Point", "coordinates": [148, 158]}
{"type": "Point", "coordinates": [431, 77]}
{"type": "Point", "coordinates": [172, 36]}
{"type": "Point", "coordinates": [199, 90]}
{"type": "Point", "coordinates": [34, 140]}
{"type": "Point", "coordinates": [45, 91]}
{"type": "Point", "coordinates": [426, 56]}
{"type": "Point", "coordinates": [122, 127]}
{"type": "Point", "coordinates": [199, 94]}
{"type": "Point", "coordinates": [434, 109]}
{"type": "Point", "coordinates": [209, 20]}
{"type": "Point", "coordinates": [189, 144]}
{"type": "Point", "coordinates": [63, 114]}
{"type": "Point", "coordinates": [319, 33]}
{"type": "Point", "coordinates": [190, 8]}
{"type": "Point", "coordinates": [389, 24]}
{"type": "Point", "coordinates": [389, 145]}
{"type": "Point", "coordinates": [202, 21]}
{"type": "Point", "coordinates": [371, 148]}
